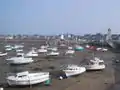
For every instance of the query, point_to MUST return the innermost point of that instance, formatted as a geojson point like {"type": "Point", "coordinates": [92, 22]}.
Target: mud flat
{"type": "Point", "coordinates": [97, 80]}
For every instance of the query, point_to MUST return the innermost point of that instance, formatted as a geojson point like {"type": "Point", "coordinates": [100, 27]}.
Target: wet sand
{"type": "Point", "coordinates": [97, 80]}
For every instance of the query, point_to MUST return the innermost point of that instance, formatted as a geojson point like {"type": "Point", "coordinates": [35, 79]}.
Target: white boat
{"type": "Point", "coordinates": [32, 53]}
{"type": "Point", "coordinates": [87, 46]}
{"type": "Point", "coordinates": [95, 64]}
{"type": "Point", "coordinates": [2, 54]}
{"type": "Point", "coordinates": [53, 49]}
{"type": "Point", "coordinates": [73, 70]}
{"type": "Point", "coordinates": [104, 49]}
{"type": "Point", "coordinates": [70, 52]}
{"type": "Point", "coordinates": [42, 50]}
{"type": "Point", "coordinates": [18, 46]}
{"type": "Point", "coordinates": [70, 48]}
{"type": "Point", "coordinates": [20, 54]}
{"type": "Point", "coordinates": [19, 60]}
{"type": "Point", "coordinates": [98, 49]}
{"type": "Point", "coordinates": [62, 45]}
{"type": "Point", "coordinates": [43, 46]}
{"type": "Point", "coordinates": [8, 46]}
{"type": "Point", "coordinates": [26, 78]}
{"type": "Point", "coordinates": [53, 53]}
{"type": "Point", "coordinates": [9, 49]}
{"type": "Point", "coordinates": [19, 50]}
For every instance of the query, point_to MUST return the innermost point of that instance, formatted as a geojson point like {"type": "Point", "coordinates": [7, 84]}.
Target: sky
{"type": "Point", "coordinates": [59, 16]}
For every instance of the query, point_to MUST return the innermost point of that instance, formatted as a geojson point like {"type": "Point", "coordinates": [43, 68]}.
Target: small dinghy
{"type": "Point", "coordinates": [19, 60]}
{"type": "Point", "coordinates": [73, 70]}
{"type": "Point", "coordinates": [95, 64]}
{"type": "Point", "coordinates": [2, 54]}
{"type": "Point", "coordinates": [26, 78]}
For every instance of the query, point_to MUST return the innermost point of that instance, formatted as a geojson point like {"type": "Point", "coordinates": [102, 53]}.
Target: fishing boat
{"type": "Point", "coordinates": [3, 54]}
{"type": "Point", "coordinates": [95, 64]}
{"type": "Point", "coordinates": [73, 70]}
{"type": "Point", "coordinates": [19, 60]}
{"type": "Point", "coordinates": [27, 78]}
{"type": "Point", "coordinates": [32, 53]}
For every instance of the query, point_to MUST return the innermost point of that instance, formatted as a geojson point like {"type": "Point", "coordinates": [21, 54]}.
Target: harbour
{"type": "Point", "coordinates": [98, 80]}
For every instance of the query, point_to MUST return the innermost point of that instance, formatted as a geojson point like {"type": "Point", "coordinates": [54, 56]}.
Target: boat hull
{"type": "Point", "coordinates": [26, 82]}
{"type": "Point", "coordinates": [31, 55]}
{"type": "Point", "coordinates": [19, 61]}
{"type": "Point", "coordinates": [42, 51]}
{"type": "Point", "coordinates": [95, 67]}
{"type": "Point", "coordinates": [74, 73]}
{"type": "Point", "coordinates": [34, 78]}
{"type": "Point", "coordinates": [4, 54]}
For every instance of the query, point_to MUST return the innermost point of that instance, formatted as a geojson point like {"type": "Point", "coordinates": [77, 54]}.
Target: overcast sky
{"type": "Point", "coordinates": [59, 16]}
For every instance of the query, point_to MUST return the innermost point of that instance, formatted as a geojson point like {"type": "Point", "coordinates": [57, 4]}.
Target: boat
{"type": "Point", "coordinates": [53, 48]}
{"type": "Point", "coordinates": [53, 53]}
{"type": "Point", "coordinates": [20, 53]}
{"type": "Point", "coordinates": [70, 48]}
{"type": "Point", "coordinates": [73, 70]}
{"type": "Point", "coordinates": [95, 64]}
{"type": "Point", "coordinates": [8, 46]}
{"type": "Point", "coordinates": [44, 46]}
{"type": "Point", "coordinates": [32, 53]}
{"type": "Point", "coordinates": [79, 48]}
{"type": "Point", "coordinates": [19, 60]}
{"type": "Point", "coordinates": [18, 46]}
{"type": "Point", "coordinates": [2, 54]}
{"type": "Point", "coordinates": [9, 49]}
{"type": "Point", "coordinates": [70, 51]}
{"type": "Point", "coordinates": [43, 49]}
{"type": "Point", "coordinates": [19, 50]}
{"type": "Point", "coordinates": [102, 49]}
{"type": "Point", "coordinates": [27, 78]}
{"type": "Point", "coordinates": [62, 45]}
{"type": "Point", "coordinates": [87, 46]}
